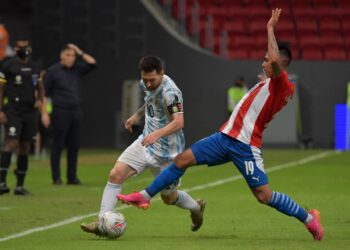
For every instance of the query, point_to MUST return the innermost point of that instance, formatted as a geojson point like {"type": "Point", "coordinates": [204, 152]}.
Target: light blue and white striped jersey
{"type": "Point", "coordinates": [157, 116]}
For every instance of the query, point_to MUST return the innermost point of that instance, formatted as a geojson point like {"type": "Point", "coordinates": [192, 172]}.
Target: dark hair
{"type": "Point", "coordinates": [285, 51]}
{"type": "Point", "coordinates": [21, 39]}
{"type": "Point", "coordinates": [66, 48]}
{"type": "Point", "coordinates": [150, 63]}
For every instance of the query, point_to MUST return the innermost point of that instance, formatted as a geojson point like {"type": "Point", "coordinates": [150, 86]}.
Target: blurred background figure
{"type": "Point", "coordinates": [62, 85]}
{"type": "Point", "coordinates": [235, 93]}
{"type": "Point", "coordinates": [21, 84]}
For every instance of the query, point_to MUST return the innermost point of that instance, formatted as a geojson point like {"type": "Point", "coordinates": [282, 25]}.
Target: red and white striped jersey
{"type": "Point", "coordinates": [257, 108]}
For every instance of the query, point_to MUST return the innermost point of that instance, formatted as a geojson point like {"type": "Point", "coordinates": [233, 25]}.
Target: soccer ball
{"type": "Point", "coordinates": [113, 224]}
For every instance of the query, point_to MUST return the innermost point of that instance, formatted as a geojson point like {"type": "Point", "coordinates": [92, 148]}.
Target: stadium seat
{"type": "Point", "coordinates": [259, 14]}
{"type": "Point", "coordinates": [346, 27]}
{"type": "Point", "coordinates": [330, 27]}
{"type": "Point", "coordinates": [323, 3]}
{"type": "Point", "coordinates": [285, 26]}
{"type": "Point", "coordinates": [307, 27]}
{"type": "Point", "coordinates": [261, 42]}
{"type": "Point", "coordinates": [301, 14]}
{"type": "Point", "coordinates": [328, 13]}
{"type": "Point", "coordinates": [257, 54]}
{"type": "Point", "coordinates": [310, 53]}
{"type": "Point", "coordinates": [312, 41]}
{"type": "Point", "coordinates": [237, 13]}
{"type": "Point", "coordinates": [343, 4]}
{"type": "Point", "coordinates": [257, 28]}
{"type": "Point", "coordinates": [235, 27]}
{"type": "Point", "coordinates": [216, 11]}
{"type": "Point", "coordinates": [301, 3]}
{"type": "Point", "coordinates": [283, 4]}
{"type": "Point", "coordinates": [335, 53]}
{"type": "Point", "coordinates": [255, 4]}
{"type": "Point", "coordinates": [246, 42]}
{"type": "Point", "coordinates": [330, 41]}
{"type": "Point", "coordinates": [238, 53]}
{"type": "Point", "coordinates": [230, 3]}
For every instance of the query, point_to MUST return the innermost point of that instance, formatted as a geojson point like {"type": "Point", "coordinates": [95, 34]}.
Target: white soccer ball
{"type": "Point", "coordinates": [113, 224]}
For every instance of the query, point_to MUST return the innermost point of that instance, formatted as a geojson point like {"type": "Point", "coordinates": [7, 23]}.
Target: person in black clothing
{"type": "Point", "coordinates": [21, 85]}
{"type": "Point", "coordinates": [62, 85]}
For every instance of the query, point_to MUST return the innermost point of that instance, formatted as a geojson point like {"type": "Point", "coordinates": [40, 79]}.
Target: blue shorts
{"type": "Point", "coordinates": [220, 148]}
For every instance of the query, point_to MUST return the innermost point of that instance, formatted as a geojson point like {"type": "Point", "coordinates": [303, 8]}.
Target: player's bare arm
{"type": "Point", "coordinates": [176, 124]}
{"type": "Point", "coordinates": [273, 52]}
{"type": "Point", "coordinates": [135, 118]}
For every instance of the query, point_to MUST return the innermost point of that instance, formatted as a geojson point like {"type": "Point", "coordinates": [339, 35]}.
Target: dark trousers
{"type": "Point", "coordinates": [66, 131]}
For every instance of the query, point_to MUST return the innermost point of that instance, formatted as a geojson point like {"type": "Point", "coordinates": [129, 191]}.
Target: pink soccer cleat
{"type": "Point", "coordinates": [315, 227]}
{"type": "Point", "coordinates": [135, 199]}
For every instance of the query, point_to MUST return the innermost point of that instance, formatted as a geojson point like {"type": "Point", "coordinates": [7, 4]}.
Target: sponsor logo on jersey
{"type": "Point", "coordinates": [18, 79]}
{"type": "Point", "coordinates": [12, 131]}
{"type": "Point", "coordinates": [26, 69]}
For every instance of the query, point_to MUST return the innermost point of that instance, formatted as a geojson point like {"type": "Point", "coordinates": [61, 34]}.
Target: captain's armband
{"type": "Point", "coordinates": [175, 108]}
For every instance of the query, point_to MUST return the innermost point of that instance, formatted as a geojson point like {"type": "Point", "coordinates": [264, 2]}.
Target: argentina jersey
{"type": "Point", "coordinates": [160, 104]}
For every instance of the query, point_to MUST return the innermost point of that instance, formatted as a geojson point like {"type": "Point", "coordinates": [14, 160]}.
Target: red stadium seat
{"type": "Point", "coordinates": [346, 27]}
{"type": "Point", "coordinates": [332, 41]}
{"type": "Point", "coordinates": [307, 27]}
{"type": "Point", "coordinates": [255, 4]}
{"type": "Point", "coordinates": [259, 14]}
{"type": "Point", "coordinates": [237, 13]}
{"type": "Point", "coordinates": [335, 54]}
{"type": "Point", "coordinates": [257, 28]}
{"type": "Point", "coordinates": [312, 53]}
{"type": "Point", "coordinates": [343, 3]}
{"type": "Point", "coordinates": [257, 54]}
{"type": "Point", "coordinates": [330, 27]}
{"type": "Point", "coordinates": [261, 43]}
{"type": "Point", "coordinates": [216, 11]}
{"type": "Point", "coordinates": [302, 14]}
{"type": "Point", "coordinates": [323, 3]}
{"type": "Point", "coordinates": [286, 26]}
{"type": "Point", "coordinates": [301, 3]}
{"type": "Point", "coordinates": [235, 27]}
{"type": "Point", "coordinates": [230, 3]}
{"type": "Point", "coordinates": [310, 41]}
{"type": "Point", "coordinates": [246, 42]}
{"type": "Point", "coordinates": [238, 53]}
{"type": "Point", "coordinates": [283, 4]}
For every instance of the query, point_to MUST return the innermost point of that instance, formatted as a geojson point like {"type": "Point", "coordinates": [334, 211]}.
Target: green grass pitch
{"type": "Point", "coordinates": [233, 218]}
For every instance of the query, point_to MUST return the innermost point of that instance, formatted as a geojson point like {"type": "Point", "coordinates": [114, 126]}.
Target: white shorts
{"type": "Point", "coordinates": [137, 157]}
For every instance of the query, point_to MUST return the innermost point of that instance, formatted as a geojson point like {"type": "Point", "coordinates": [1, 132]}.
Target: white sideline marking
{"type": "Point", "coordinates": [212, 184]}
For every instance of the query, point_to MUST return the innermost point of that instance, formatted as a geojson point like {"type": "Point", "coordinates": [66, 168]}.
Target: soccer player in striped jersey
{"type": "Point", "coordinates": [162, 139]}
{"type": "Point", "coordinates": [239, 139]}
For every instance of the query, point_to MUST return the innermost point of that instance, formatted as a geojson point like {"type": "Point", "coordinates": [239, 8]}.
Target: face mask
{"type": "Point", "coordinates": [23, 52]}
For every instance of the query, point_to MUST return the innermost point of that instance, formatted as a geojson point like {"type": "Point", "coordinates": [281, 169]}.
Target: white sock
{"type": "Point", "coordinates": [185, 201]}
{"type": "Point", "coordinates": [309, 218]}
{"type": "Point", "coordinates": [109, 197]}
{"type": "Point", "coordinates": [145, 195]}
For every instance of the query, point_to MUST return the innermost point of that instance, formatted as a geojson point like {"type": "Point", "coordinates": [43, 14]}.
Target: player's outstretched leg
{"type": "Point", "coordinates": [286, 205]}
{"type": "Point", "coordinates": [135, 199]}
{"type": "Point", "coordinates": [315, 227]}
{"type": "Point", "coordinates": [108, 203]}
{"type": "Point", "coordinates": [197, 216]}
{"type": "Point", "coordinates": [92, 228]}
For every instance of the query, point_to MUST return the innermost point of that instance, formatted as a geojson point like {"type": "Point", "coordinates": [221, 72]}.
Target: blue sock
{"type": "Point", "coordinates": [286, 205]}
{"type": "Point", "coordinates": [167, 177]}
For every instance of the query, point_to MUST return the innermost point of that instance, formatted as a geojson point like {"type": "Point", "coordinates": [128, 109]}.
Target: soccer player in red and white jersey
{"type": "Point", "coordinates": [239, 139]}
